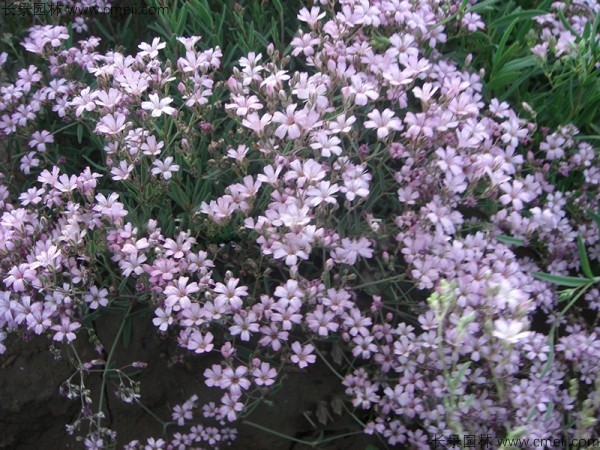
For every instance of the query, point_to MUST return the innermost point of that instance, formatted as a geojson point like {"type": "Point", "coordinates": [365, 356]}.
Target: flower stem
{"type": "Point", "coordinates": [109, 361]}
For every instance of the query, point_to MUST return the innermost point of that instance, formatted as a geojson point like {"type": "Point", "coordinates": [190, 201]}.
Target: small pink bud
{"type": "Point", "coordinates": [139, 365]}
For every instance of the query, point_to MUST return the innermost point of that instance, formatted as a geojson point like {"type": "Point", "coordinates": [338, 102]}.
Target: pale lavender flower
{"type": "Point", "coordinates": [510, 330]}
{"type": "Point", "coordinates": [165, 168]}
{"type": "Point", "coordinates": [159, 106]}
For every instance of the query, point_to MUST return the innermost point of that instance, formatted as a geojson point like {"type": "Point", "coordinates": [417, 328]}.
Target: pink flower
{"type": "Point", "coordinates": [349, 250]}
{"type": "Point", "coordinates": [213, 376]}
{"type": "Point", "coordinates": [18, 275]}
{"type": "Point", "coordinates": [264, 375]}
{"type": "Point", "coordinates": [516, 194]}
{"type": "Point", "coordinates": [230, 406]}
{"type": "Point", "coordinates": [321, 321]}
{"type": "Point", "coordinates": [235, 380]}
{"type": "Point", "coordinates": [256, 122]}
{"type": "Point", "coordinates": [39, 139]}
{"type": "Point", "coordinates": [231, 293]}
{"type": "Point", "coordinates": [112, 124]}
{"type": "Point", "coordinates": [200, 343]}
{"type": "Point", "coordinates": [510, 330]}
{"type": "Point", "coordinates": [122, 171]}
{"type": "Point", "coordinates": [289, 125]}
{"type": "Point", "coordinates": [302, 354]}
{"type": "Point", "coordinates": [165, 168]}
{"type": "Point", "coordinates": [65, 329]}
{"type": "Point", "coordinates": [159, 106]}
{"type": "Point", "coordinates": [178, 293]}
{"type": "Point", "coordinates": [244, 325]}
{"type": "Point", "coordinates": [384, 122]}
{"type": "Point", "coordinates": [162, 320]}
{"type": "Point", "coordinates": [311, 17]}
{"type": "Point", "coordinates": [151, 50]}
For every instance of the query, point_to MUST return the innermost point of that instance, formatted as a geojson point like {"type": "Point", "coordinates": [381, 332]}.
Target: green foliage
{"type": "Point", "coordinates": [236, 27]}
{"type": "Point", "coordinates": [560, 91]}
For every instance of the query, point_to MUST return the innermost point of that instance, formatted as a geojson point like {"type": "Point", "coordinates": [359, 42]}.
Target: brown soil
{"type": "Point", "coordinates": [33, 414]}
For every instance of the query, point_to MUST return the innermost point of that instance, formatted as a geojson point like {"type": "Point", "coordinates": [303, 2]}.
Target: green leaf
{"type": "Point", "coordinates": [587, 137]}
{"type": "Point", "coordinates": [483, 6]}
{"type": "Point", "coordinates": [510, 240]}
{"type": "Point", "coordinates": [501, 79]}
{"type": "Point", "coordinates": [205, 15]}
{"type": "Point", "coordinates": [515, 84]}
{"type": "Point", "coordinates": [520, 63]}
{"type": "Point", "coordinates": [516, 16]}
{"type": "Point", "coordinates": [107, 34]}
{"type": "Point", "coordinates": [278, 6]}
{"type": "Point", "coordinates": [585, 262]}
{"type": "Point", "coordinates": [181, 20]}
{"type": "Point", "coordinates": [500, 53]}
{"type": "Point", "coordinates": [566, 23]}
{"type": "Point", "coordinates": [127, 332]}
{"type": "Point", "coordinates": [593, 33]}
{"type": "Point", "coordinates": [79, 133]}
{"type": "Point", "coordinates": [561, 280]}
{"type": "Point", "coordinates": [595, 217]}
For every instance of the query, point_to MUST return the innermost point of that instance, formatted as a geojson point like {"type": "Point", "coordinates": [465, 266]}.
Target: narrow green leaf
{"type": "Point", "coordinates": [501, 79]}
{"type": "Point", "coordinates": [127, 332]}
{"type": "Point", "coordinates": [518, 16]}
{"type": "Point", "coordinates": [483, 6]}
{"type": "Point", "coordinates": [593, 33]}
{"type": "Point", "coordinates": [583, 257]}
{"type": "Point", "coordinates": [587, 137]}
{"type": "Point", "coordinates": [561, 280]}
{"type": "Point", "coordinates": [103, 30]}
{"type": "Point", "coordinates": [500, 50]}
{"type": "Point", "coordinates": [520, 63]}
{"type": "Point", "coordinates": [507, 55]}
{"type": "Point", "coordinates": [278, 6]}
{"type": "Point", "coordinates": [79, 133]}
{"type": "Point", "coordinates": [510, 240]}
{"type": "Point", "coordinates": [182, 20]}
{"type": "Point", "coordinates": [566, 23]}
{"type": "Point", "coordinates": [515, 84]}
{"type": "Point", "coordinates": [205, 13]}
{"type": "Point", "coordinates": [594, 215]}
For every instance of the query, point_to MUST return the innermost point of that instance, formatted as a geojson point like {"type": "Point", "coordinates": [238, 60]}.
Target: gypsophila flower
{"type": "Point", "coordinates": [159, 106]}
{"type": "Point", "coordinates": [384, 122]}
{"type": "Point", "coordinates": [165, 168]}
{"type": "Point", "coordinates": [39, 139]}
{"type": "Point", "coordinates": [510, 330]}
{"type": "Point", "coordinates": [302, 354]}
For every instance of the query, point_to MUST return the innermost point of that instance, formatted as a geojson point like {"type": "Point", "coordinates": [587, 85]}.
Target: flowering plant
{"type": "Point", "coordinates": [287, 214]}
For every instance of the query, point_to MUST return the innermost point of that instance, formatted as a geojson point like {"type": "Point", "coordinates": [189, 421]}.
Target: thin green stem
{"type": "Point", "coordinates": [384, 280]}
{"type": "Point", "coordinates": [301, 441]}
{"type": "Point", "coordinates": [552, 334]}
{"type": "Point", "coordinates": [158, 419]}
{"type": "Point", "coordinates": [335, 372]}
{"type": "Point", "coordinates": [108, 363]}
{"type": "Point", "coordinates": [277, 433]}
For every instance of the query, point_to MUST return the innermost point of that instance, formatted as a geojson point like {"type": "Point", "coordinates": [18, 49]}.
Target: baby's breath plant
{"type": "Point", "coordinates": [360, 200]}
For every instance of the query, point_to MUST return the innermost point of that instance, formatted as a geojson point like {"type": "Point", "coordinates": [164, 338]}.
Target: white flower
{"type": "Point", "coordinates": [510, 330]}
{"type": "Point", "coordinates": [151, 50]}
{"type": "Point", "coordinates": [159, 106]}
{"type": "Point", "coordinates": [164, 168]}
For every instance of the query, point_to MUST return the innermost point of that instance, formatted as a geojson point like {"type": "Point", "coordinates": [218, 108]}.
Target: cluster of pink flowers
{"type": "Point", "coordinates": [558, 38]}
{"type": "Point", "coordinates": [48, 277]}
{"type": "Point", "coordinates": [379, 162]}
